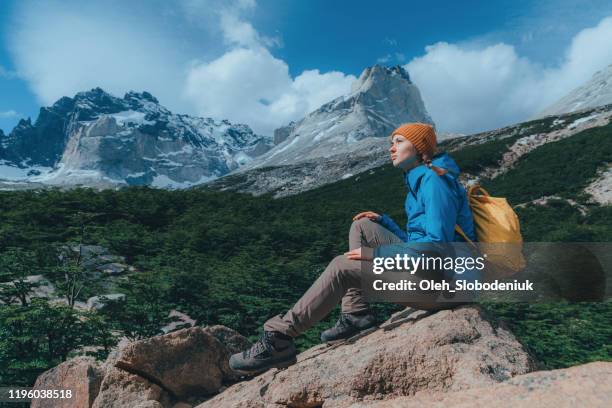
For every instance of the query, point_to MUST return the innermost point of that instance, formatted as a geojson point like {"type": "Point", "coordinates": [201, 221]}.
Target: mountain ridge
{"type": "Point", "coordinates": [596, 92]}
{"type": "Point", "coordinates": [282, 181]}
{"type": "Point", "coordinates": [101, 140]}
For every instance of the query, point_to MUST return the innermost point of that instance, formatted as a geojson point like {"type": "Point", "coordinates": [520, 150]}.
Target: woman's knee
{"type": "Point", "coordinates": [360, 224]}
{"type": "Point", "coordinates": [336, 264]}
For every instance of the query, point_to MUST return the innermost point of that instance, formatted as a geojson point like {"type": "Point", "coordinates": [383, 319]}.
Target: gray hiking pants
{"type": "Point", "coordinates": [340, 281]}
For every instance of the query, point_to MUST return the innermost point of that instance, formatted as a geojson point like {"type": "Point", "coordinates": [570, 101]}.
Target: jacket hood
{"type": "Point", "coordinates": [446, 162]}
{"type": "Point", "coordinates": [442, 160]}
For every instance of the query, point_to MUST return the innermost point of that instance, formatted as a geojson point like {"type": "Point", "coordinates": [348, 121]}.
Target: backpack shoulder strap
{"type": "Point", "coordinates": [463, 234]}
{"type": "Point", "coordinates": [457, 227]}
{"type": "Point", "coordinates": [470, 192]}
{"type": "Point", "coordinates": [472, 244]}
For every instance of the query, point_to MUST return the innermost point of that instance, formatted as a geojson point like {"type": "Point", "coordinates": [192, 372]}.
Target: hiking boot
{"type": "Point", "coordinates": [348, 325]}
{"type": "Point", "coordinates": [272, 350]}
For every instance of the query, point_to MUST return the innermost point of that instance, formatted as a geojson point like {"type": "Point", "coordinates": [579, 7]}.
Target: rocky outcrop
{"type": "Point", "coordinates": [178, 360]}
{"type": "Point", "coordinates": [175, 367]}
{"type": "Point", "coordinates": [99, 140]}
{"type": "Point", "coordinates": [81, 375]}
{"type": "Point", "coordinates": [447, 351]}
{"type": "Point", "coordinates": [416, 359]}
{"type": "Point", "coordinates": [581, 386]}
{"type": "Point", "coordinates": [98, 263]}
{"type": "Point", "coordinates": [600, 189]}
{"type": "Point", "coordinates": [160, 372]}
{"type": "Point", "coordinates": [282, 133]}
{"type": "Point", "coordinates": [40, 287]}
{"type": "Point", "coordinates": [123, 389]}
{"type": "Point", "coordinates": [292, 179]}
{"type": "Point", "coordinates": [95, 258]}
{"type": "Point", "coordinates": [595, 92]}
{"type": "Point", "coordinates": [99, 302]}
{"type": "Point", "coordinates": [561, 128]}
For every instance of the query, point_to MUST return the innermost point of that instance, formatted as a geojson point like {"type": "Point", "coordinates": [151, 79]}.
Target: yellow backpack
{"type": "Point", "coordinates": [496, 224]}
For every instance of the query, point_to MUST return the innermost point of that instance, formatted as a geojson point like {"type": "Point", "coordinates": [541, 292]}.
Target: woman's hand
{"type": "Point", "coordinates": [356, 255]}
{"type": "Point", "coordinates": [368, 214]}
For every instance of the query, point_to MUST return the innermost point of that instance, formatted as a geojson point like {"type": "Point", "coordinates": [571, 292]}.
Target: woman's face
{"type": "Point", "coordinates": [403, 152]}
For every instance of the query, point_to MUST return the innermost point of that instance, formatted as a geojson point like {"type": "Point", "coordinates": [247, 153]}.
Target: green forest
{"type": "Point", "coordinates": [235, 259]}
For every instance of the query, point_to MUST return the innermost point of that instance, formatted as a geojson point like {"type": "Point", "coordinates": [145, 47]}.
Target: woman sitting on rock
{"type": "Point", "coordinates": [433, 206]}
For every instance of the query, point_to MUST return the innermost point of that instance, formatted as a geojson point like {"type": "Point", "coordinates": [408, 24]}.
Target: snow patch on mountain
{"type": "Point", "coordinates": [579, 121]}
{"type": "Point", "coordinates": [99, 140]}
{"type": "Point", "coordinates": [11, 172]}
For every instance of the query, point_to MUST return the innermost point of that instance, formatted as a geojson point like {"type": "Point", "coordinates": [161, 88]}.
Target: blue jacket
{"type": "Point", "coordinates": [434, 204]}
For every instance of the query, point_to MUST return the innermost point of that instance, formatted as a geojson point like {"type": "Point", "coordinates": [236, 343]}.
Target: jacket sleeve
{"type": "Point", "coordinates": [387, 222]}
{"type": "Point", "coordinates": [441, 207]}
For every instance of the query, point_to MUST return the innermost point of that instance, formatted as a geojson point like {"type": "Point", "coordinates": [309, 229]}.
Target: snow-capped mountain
{"type": "Point", "coordinates": [522, 138]}
{"type": "Point", "coordinates": [97, 139]}
{"type": "Point", "coordinates": [380, 100]}
{"type": "Point", "coordinates": [596, 92]}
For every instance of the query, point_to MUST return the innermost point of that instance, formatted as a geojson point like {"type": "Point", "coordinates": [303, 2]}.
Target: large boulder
{"type": "Point", "coordinates": [450, 350]}
{"type": "Point", "coordinates": [95, 258]}
{"type": "Point", "coordinates": [122, 389]}
{"type": "Point", "coordinates": [164, 371]}
{"type": "Point", "coordinates": [99, 302]}
{"type": "Point", "coordinates": [187, 362]}
{"type": "Point", "coordinates": [416, 359]}
{"type": "Point", "coordinates": [81, 375]}
{"type": "Point", "coordinates": [230, 338]}
{"type": "Point", "coordinates": [588, 385]}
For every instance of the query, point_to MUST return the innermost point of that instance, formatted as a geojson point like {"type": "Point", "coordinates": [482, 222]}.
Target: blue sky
{"type": "Point", "coordinates": [478, 64]}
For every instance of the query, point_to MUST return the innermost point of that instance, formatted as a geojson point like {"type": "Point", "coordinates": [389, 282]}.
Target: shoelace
{"type": "Point", "coordinates": [343, 321]}
{"type": "Point", "coordinates": [261, 345]}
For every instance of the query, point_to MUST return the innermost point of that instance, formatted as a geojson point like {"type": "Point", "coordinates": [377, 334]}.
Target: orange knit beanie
{"type": "Point", "coordinates": [423, 137]}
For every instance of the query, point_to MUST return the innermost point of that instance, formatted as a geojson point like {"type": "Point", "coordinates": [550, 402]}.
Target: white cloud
{"type": "Point", "coordinates": [239, 32]}
{"type": "Point", "coordinates": [202, 57]}
{"type": "Point", "coordinates": [205, 57]}
{"type": "Point", "coordinates": [316, 88]}
{"type": "Point", "coordinates": [64, 48]}
{"type": "Point", "coordinates": [468, 88]}
{"type": "Point", "coordinates": [249, 85]}
{"type": "Point", "coordinates": [9, 114]}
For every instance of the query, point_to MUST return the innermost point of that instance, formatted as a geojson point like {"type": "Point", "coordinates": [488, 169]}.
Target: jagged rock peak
{"type": "Point", "coordinates": [380, 100]}
{"type": "Point", "coordinates": [101, 140]}
{"type": "Point", "coordinates": [377, 73]}
{"type": "Point", "coordinates": [140, 96]}
{"type": "Point", "coordinates": [98, 101]}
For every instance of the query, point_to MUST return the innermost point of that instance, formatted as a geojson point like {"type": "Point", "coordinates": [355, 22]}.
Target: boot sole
{"type": "Point", "coordinates": [280, 365]}
{"type": "Point", "coordinates": [358, 334]}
